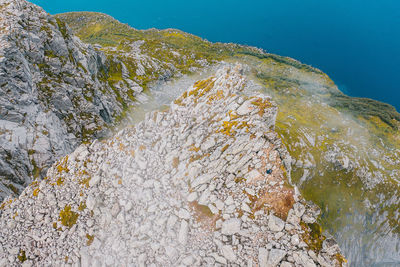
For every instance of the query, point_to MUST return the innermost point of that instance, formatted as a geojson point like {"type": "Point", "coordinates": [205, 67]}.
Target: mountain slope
{"type": "Point", "coordinates": [345, 161]}
{"type": "Point", "coordinates": [58, 92]}
{"type": "Point", "coordinates": [204, 183]}
{"type": "Point", "coordinates": [346, 150]}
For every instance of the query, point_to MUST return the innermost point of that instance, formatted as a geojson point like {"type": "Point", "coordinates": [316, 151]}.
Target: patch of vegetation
{"type": "Point", "coordinates": [114, 70]}
{"type": "Point", "coordinates": [68, 217]}
{"type": "Point", "coordinates": [13, 188]}
{"type": "Point", "coordinates": [90, 239]}
{"type": "Point", "coordinates": [85, 182]}
{"type": "Point", "coordinates": [62, 27]}
{"type": "Point", "coordinates": [5, 203]}
{"type": "Point", "coordinates": [36, 170]}
{"type": "Point", "coordinates": [82, 206]}
{"type": "Point", "coordinates": [366, 108]}
{"type": "Point", "coordinates": [50, 54]}
{"type": "Point", "coordinates": [313, 236]}
{"type": "Point", "coordinates": [22, 256]}
{"type": "Point", "coordinates": [60, 181]}
{"type": "Point", "coordinates": [62, 166]}
{"type": "Point", "coordinates": [280, 59]}
{"type": "Point", "coordinates": [35, 192]}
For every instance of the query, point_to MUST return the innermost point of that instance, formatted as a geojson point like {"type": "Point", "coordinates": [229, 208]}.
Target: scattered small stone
{"type": "Point", "coordinates": [275, 224]}
{"type": "Point", "coordinates": [231, 226]}
{"type": "Point", "coordinates": [275, 256]}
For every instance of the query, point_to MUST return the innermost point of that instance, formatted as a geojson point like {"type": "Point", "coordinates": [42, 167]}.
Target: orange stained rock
{"type": "Point", "coordinates": [204, 215]}
{"type": "Point", "coordinates": [272, 197]}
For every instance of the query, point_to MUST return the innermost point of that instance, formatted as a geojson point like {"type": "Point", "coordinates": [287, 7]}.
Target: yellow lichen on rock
{"type": "Point", "coordinates": [262, 105]}
{"type": "Point", "coordinates": [227, 128]}
{"type": "Point", "coordinates": [202, 87]}
{"type": "Point", "coordinates": [217, 96]}
{"type": "Point", "coordinates": [62, 166]}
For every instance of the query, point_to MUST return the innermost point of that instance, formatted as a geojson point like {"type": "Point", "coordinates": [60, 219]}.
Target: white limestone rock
{"type": "Point", "coordinates": [275, 256]}
{"type": "Point", "coordinates": [231, 226]}
{"type": "Point", "coordinates": [275, 224]}
{"type": "Point", "coordinates": [245, 108]}
{"type": "Point", "coordinates": [183, 232]}
{"type": "Point", "coordinates": [210, 142]}
{"type": "Point", "coordinates": [303, 259]}
{"type": "Point", "coordinates": [263, 254]}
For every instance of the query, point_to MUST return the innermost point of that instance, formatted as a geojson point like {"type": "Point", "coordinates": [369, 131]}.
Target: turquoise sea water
{"type": "Point", "coordinates": [356, 42]}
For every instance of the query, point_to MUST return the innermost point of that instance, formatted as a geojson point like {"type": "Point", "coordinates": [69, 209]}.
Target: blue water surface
{"type": "Point", "coordinates": [356, 42]}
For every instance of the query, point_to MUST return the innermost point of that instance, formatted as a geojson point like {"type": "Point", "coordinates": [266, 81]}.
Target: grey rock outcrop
{"type": "Point", "coordinates": [53, 93]}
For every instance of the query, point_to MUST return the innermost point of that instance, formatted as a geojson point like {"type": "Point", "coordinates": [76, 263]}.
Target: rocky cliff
{"type": "Point", "coordinates": [57, 92]}
{"type": "Point", "coordinates": [204, 183]}
{"type": "Point", "coordinates": [52, 97]}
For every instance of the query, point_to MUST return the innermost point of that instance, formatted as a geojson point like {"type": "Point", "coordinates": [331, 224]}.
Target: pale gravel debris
{"type": "Point", "coordinates": [139, 216]}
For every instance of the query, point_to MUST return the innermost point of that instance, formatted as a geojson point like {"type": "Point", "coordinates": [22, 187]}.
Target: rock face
{"type": "Point", "coordinates": [199, 184]}
{"type": "Point", "coordinates": [54, 93]}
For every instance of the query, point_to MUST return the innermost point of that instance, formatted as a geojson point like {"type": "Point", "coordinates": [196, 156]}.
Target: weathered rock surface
{"type": "Point", "coordinates": [196, 185]}
{"type": "Point", "coordinates": [50, 99]}
{"type": "Point", "coordinates": [57, 92]}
